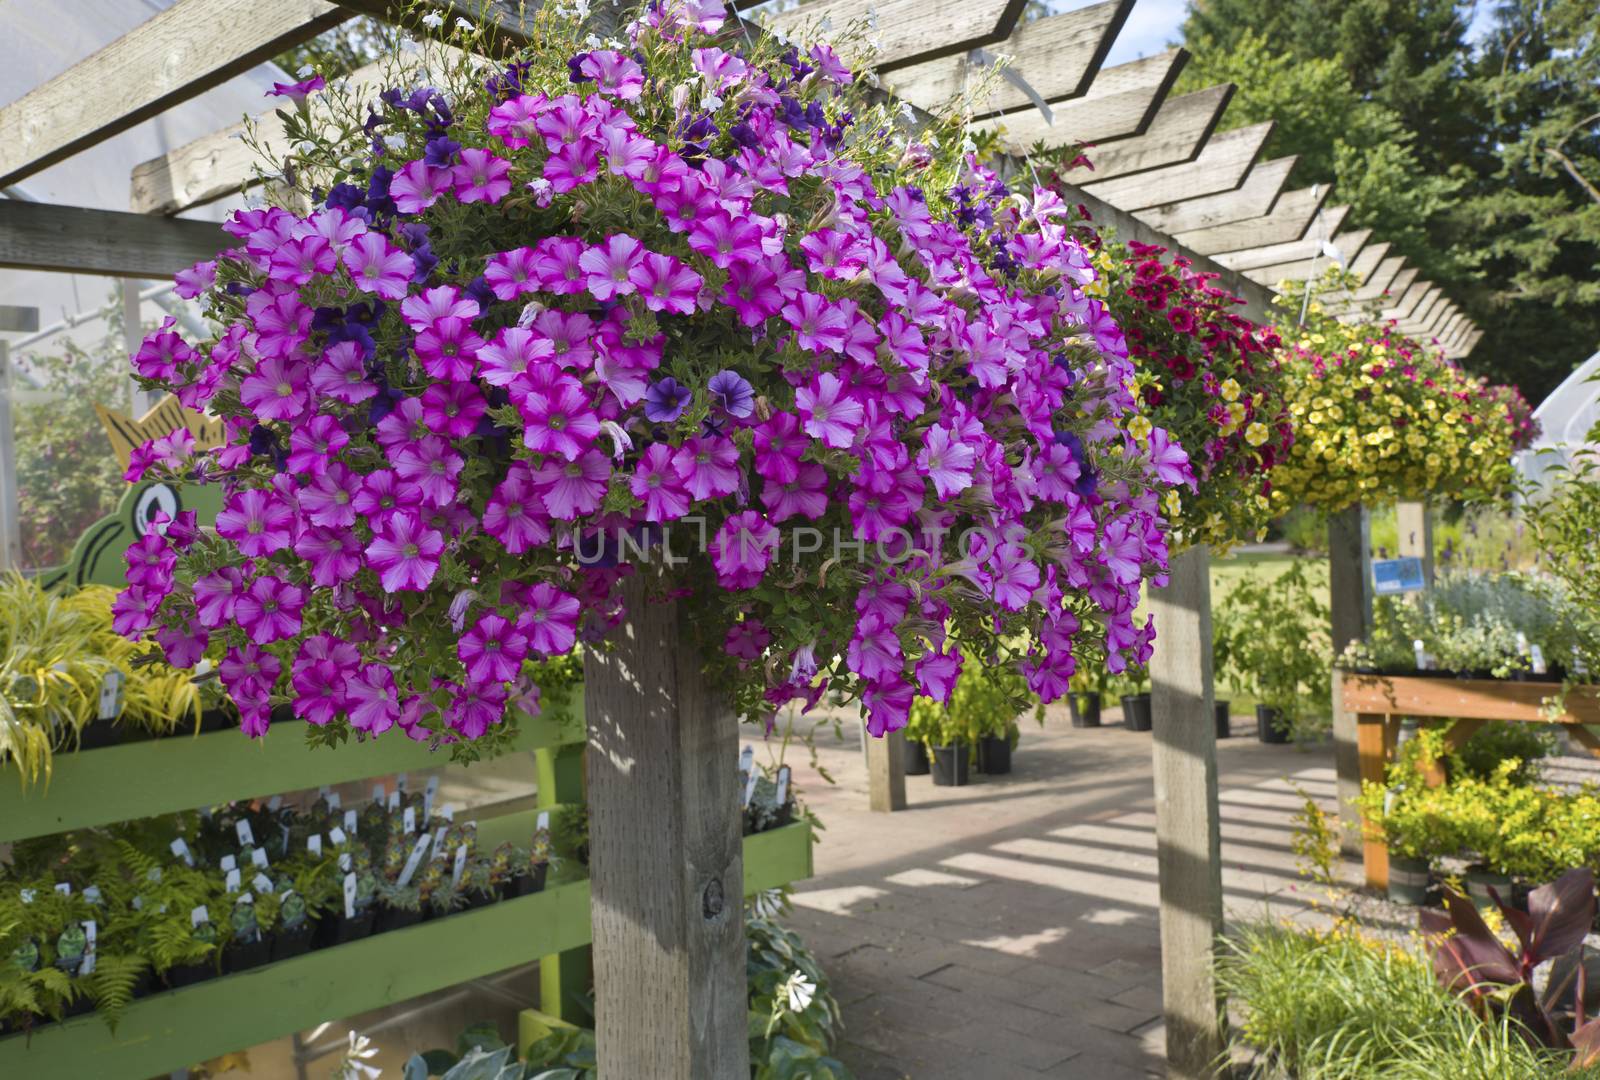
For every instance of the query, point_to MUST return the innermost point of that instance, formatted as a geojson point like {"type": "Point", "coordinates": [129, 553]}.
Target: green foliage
{"type": "Point", "coordinates": [1346, 1006]}
{"type": "Point", "coordinates": [1270, 639]}
{"type": "Point", "coordinates": [986, 701]}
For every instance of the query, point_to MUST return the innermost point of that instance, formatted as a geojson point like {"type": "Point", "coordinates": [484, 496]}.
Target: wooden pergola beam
{"type": "Point", "coordinates": [1121, 103]}
{"type": "Point", "coordinates": [68, 239]}
{"type": "Point", "coordinates": [910, 31]}
{"type": "Point", "coordinates": [1393, 277]}
{"type": "Point", "coordinates": [1252, 198]}
{"type": "Point", "coordinates": [1422, 319]}
{"type": "Point", "coordinates": [176, 55]}
{"type": "Point", "coordinates": [1455, 326]}
{"type": "Point", "coordinates": [1311, 263]}
{"type": "Point", "coordinates": [1181, 127]}
{"type": "Point", "coordinates": [1289, 250]}
{"type": "Point", "coordinates": [1223, 163]}
{"type": "Point", "coordinates": [1469, 343]}
{"type": "Point", "coordinates": [1421, 296]}
{"type": "Point", "coordinates": [1291, 216]}
{"type": "Point", "coordinates": [1058, 56]}
{"type": "Point", "coordinates": [1364, 264]}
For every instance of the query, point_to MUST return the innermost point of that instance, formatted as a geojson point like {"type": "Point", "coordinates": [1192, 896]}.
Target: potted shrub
{"type": "Point", "coordinates": [920, 731]}
{"type": "Point", "coordinates": [1083, 699]}
{"type": "Point", "coordinates": [1133, 690]}
{"type": "Point", "coordinates": [1273, 636]}
{"type": "Point", "coordinates": [247, 946]}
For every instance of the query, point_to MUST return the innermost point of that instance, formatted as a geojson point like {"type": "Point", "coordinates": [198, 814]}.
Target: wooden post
{"type": "Point", "coordinates": [1416, 535]}
{"type": "Point", "coordinates": [666, 868]}
{"type": "Point", "coordinates": [10, 511]}
{"type": "Point", "coordinates": [886, 772]}
{"type": "Point", "coordinates": [1376, 735]}
{"type": "Point", "coordinates": [1350, 604]}
{"type": "Point", "coordinates": [563, 977]}
{"type": "Point", "coordinates": [1188, 835]}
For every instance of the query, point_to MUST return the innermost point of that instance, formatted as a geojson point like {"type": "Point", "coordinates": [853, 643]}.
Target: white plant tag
{"type": "Point", "coordinates": [394, 801]}
{"type": "Point", "coordinates": [542, 822]}
{"type": "Point", "coordinates": [232, 882]}
{"type": "Point", "coordinates": [344, 860]}
{"type": "Point", "coordinates": [400, 783]}
{"type": "Point", "coordinates": [228, 862]}
{"type": "Point", "coordinates": [1539, 666]}
{"type": "Point", "coordinates": [64, 888]}
{"type": "Point", "coordinates": [783, 785]}
{"type": "Point", "coordinates": [350, 822]}
{"type": "Point", "coordinates": [460, 867]}
{"type": "Point", "coordinates": [438, 840]}
{"type": "Point", "coordinates": [336, 834]}
{"type": "Point", "coordinates": [314, 844]}
{"type": "Point", "coordinates": [379, 792]}
{"type": "Point", "coordinates": [92, 894]}
{"type": "Point", "coordinates": [259, 857]}
{"type": "Point", "coordinates": [413, 861]}
{"type": "Point", "coordinates": [747, 757]}
{"type": "Point", "coordinates": [199, 915]}
{"type": "Point", "coordinates": [749, 789]}
{"type": "Point", "coordinates": [27, 895]}
{"type": "Point", "coordinates": [334, 800]}
{"type": "Point", "coordinates": [261, 883]}
{"type": "Point", "coordinates": [90, 932]}
{"type": "Point", "coordinates": [242, 827]}
{"type": "Point", "coordinates": [449, 812]}
{"type": "Point", "coordinates": [181, 850]}
{"type": "Point", "coordinates": [409, 819]}
{"type": "Point", "coordinates": [111, 695]}
{"type": "Point", "coordinates": [349, 896]}
{"type": "Point", "coordinates": [273, 803]}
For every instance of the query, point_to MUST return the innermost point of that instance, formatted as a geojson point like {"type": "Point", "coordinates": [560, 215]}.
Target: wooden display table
{"type": "Point", "coordinates": [1462, 706]}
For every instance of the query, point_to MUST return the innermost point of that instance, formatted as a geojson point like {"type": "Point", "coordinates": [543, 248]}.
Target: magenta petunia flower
{"type": "Point", "coordinates": [513, 351]}
{"type": "Point", "coordinates": [743, 549]}
{"type": "Point", "coordinates": [708, 465]}
{"type": "Point", "coordinates": [1169, 459]}
{"type": "Point", "coordinates": [342, 374]}
{"type": "Point", "coordinates": [752, 291]}
{"type": "Point", "coordinates": [312, 446]}
{"type": "Point", "coordinates": [475, 709]}
{"type": "Point", "coordinates": [297, 91]}
{"type": "Point", "coordinates": [726, 240]}
{"type": "Point", "coordinates": [571, 167]}
{"type": "Point", "coordinates": [449, 349]}
{"type": "Point", "coordinates": [666, 284]}
{"type": "Point", "coordinates": [746, 639]}
{"type": "Point", "coordinates": [277, 390]}
{"type": "Point", "coordinates": [431, 466]}
{"type": "Point", "coordinates": [282, 323]}
{"type": "Point", "coordinates": [133, 611]}
{"type": "Point", "coordinates": [151, 561]}
{"type": "Point", "coordinates": [550, 620]}
{"type": "Point", "coordinates": [481, 177]}
{"type": "Point", "coordinates": [334, 554]}
{"type": "Point", "coordinates": [614, 74]}
{"type": "Point", "coordinates": [515, 515]}
{"type": "Point", "coordinates": [258, 522]}
{"type": "Point", "coordinates": [778, 445]}
{"type": "Point", "coordinates": [874, 652]}
{"type": "Point", "coordinates": [183, 646]}
{"type": "Point", "coordinates": [328, 500]}
{"type": "Point", "coordinates": [377, 266]}
{"type": "Point", "coordinates": [573, 488]}
{"type": "Point", "coordinates": [215, 594]}
{"type": "Point", "coordinates": [609, 268]}
{"type": "Point", "coordinates": [658, 484]}
{"type": "Point", "coordinates": [441, 302]}
{"type": "Point", "coordinates": [512, 122]}
{"type": "Point", "coordinates": [555, 259]}
{"type": "Point", "coordinates": [559, 421]}
{"type": "Point", "coordinates": [249, 672]}
{"type": "Point", "coordinates": [510, 274]}
{"type": "Point", "coordinates": [382, 493]}
{"type": "Point", "coordinates": [452, 409]}
{"type": "Point", "coordinates": [372, 699]}
{"type": "Point", "coordinates": [405, 553]}
{"type": "Point", "coordinates": [1010, 577]}
{"type": "Point", "coordinates": [269, 610]}
{"type": "Point", "coordinates": [947, 462]}
{"type": "Point", "coordinates": [302, 259]}
{"type": "Point", "coordinates": [418, 186]}
{"type": "Point", "coordinates": [492, 650]}
{"type": "Point", "coordinates": [937, 673]}
{"type": "Point", "coordinates": [829, 413]}
{"type": "Point", "coordinates": [806, 495]}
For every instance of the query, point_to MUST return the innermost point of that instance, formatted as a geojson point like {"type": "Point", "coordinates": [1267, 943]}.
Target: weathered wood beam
{"type": "Point", "coordinates": [1181, 127]}
{"type": "Point", "coordinates": [908, 31]}
{"type": "Point", "coordinates": [1058, 56]}
{"type": "Point", "coordinates": [1287, 251]}
{"type": "Point", "coordinates": [1121, 103]}
{"type": "Point", "coordinates": [1223, 163]}
{"type": "Point", "coordinates": [1454, 327]}
{"type": "Point", "coordinates": [1422, 318]}
{"type": "Point", "coordinates": [68, 239]}
{"type": "Point", "coordinates": [176, 55]}
{"type": "Point", "coordinates": [1417, 299]}
{"type": "Point", "coordinates": [1392, 278]}
{"type": "Point", "coordinates": [1291, 216]}
{"type": "Point", "coordinates": [220, 164]}
{"type": "Point", "coordinates": [1470, 343]}
{"type": "Point", "coordinates": [1313, 263]}
{"type": "Point", "coordinates": [1433, 322]}
{"type": "Point", "coordinates": [1252, 198]}
{"type": "Point", "coordinates": [1363, 265]}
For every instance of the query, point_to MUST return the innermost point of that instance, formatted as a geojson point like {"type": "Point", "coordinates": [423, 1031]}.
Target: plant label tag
{"type": "Point", "coordinates": [273, 804]}
{"type": "Point", "coordinates": [438, 840]}
{"type": "Point", "coordinates": [409, 820]}
{"type": "Point", "coordinates": [322, 792]}
{"type": "Point", "coordinates": [413, 861]}
{"type": "Point", "coordinates": [181, 850]}
{"type": "Point", "coordinates": [749, 790]}
{"type": "Point", "coordinates": [64, 888]}
{"type": "Point", "coordinates": [246, 837]}
{"type": "Point", "coordinates": [349, 896]}
{"type": "Point", "coordinates": [334, 801]}
{"type": "Point", "coordinates": [261, 883]}
{"type": "Point", "coordinates": [350, 822]}
{"type": "Point", "coordinates": [783, 785]}
{"type": "Point", "coordinates": [460, 866]}
{"type": "Point", "coordinates": [259, 857]}
{"type": "Point", "coordinates": [379, 792]}
{"type": "Point", "coordinates": [449, 812]}
{"type": "Point", "coordinates": [232, 882]}
{"type": "Point", "coordinates": [92, 894]}
{"type": "Point", "coordinates": [542, 822]}
{"type": "Point", "coordinates": [89, 934]}
{"type": "Point", "coordinates": [228, 862]}
{"type": "Point", "coordinates": [314, 844]}
{"type": "Point", "coordinates": [199, 915]}
{"type": "Point", "coordinates": [747, 757]}
{"type": "Point", "coordinates": [1539, 667]}
{"type": "Point", "coordinates": [111, 695]}
{"type": "Point", "coordinates": [400, 783]}
{"type": "Point", "coordinates": [336, 834]}
{"type": "Point", "coordinates": [27, 895]}
{"type": "Point", "coordinates": [394, 800]}
{"type": "Point", "coordinates": [154, 876]}
{"type": "Point", "coordinates": [344, 860]}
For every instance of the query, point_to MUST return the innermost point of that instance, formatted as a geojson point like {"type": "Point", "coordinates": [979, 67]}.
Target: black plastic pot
{"type": "Point", "coordinates": [1084, 709]}
{"type": "Point", "coordinates": [99, 733]}
{"type": "Point", "coordinates": [950, 765]}
{"type": "Point", "coordinates": [180, 975]}
{"type": "Point", "coordinates": [478, 898]}
{"type": "Point", "coordinates": [244, 955]}
{"type": "Point", "coordinates": [1408, 881]}
{"type": "Point", "coordinates": [916, 758]}
{"type": "Point", "coordinates": [1136, 711]}
{"type": "Point", "coordinates": [1224, 720]}
{"type": "Point", "coordinates": [337, 931]}
{"type": "Point", "coordinates": [994, 755]}
{"type": "Point", "coordinates": [1269, 720]}
{"type": "Point", "coordinates": [398, 919]}
{"type": "Point", "coordinates": [81, 1004]}
{"type": "Point", "coordinates": [218, 720]}
{"type": "Point", "coordinates": [295, 942]}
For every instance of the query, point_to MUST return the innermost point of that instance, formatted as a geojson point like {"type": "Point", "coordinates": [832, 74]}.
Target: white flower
{"type": "Point", "coordinates": [532, 309]}
{"type": "Point", "coordinates": [466, 24]}
{"type": "Point", "coordinates": [433, 20]}
{"type": "Point", "coordinates": [306, 71]}
{"type": "Point", "coordinates": [711, 103]}
{"type": "Point", "coordinates": [354, 1066]}
{"type": "Point", "coordinates": [396, 143]}
{"type": "Point", "coordinates": [800, 991]}
{"type": "Point", "coordinates": [620, 441]}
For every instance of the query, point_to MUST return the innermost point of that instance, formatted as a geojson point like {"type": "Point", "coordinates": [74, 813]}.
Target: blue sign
{"type": "Point", "coordinates": [1390, 576]}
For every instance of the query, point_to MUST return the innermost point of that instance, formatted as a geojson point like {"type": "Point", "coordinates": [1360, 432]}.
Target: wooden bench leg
{"type": "Point", "coordinates": [1375, 738]}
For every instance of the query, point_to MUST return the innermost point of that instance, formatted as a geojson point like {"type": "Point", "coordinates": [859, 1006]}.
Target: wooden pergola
{"type": "Point", "coordinates": [1162, 173]}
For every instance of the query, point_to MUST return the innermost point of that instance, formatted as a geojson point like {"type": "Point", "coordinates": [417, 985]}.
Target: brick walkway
{"type": "Point", "coordinates": [1008, 928]}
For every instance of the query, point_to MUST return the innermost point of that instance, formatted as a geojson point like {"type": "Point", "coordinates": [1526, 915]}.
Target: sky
{"type": "Point", "coordinates": [1154, 24]}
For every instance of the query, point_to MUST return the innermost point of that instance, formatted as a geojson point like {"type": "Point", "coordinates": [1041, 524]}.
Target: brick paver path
{"type": "Point", "coordinates": [1008, 928]}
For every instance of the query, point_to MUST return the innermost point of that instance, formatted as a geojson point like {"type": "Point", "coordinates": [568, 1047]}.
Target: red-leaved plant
{"type": "Point", "coordinates": [1470, 960]}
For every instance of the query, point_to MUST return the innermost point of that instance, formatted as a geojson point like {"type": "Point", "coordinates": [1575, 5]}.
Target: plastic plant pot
{"type": "Point", "coordinates": [950, 765]}
{"type": "Point", "coordinates": [1084, 709]}
{"type": "Point", "coordinates": [916, 758]}
{"type": "Point", "coordinates": [1269, 724]}
{"type": "Point", "coordinates": [994, 755]}
{"type": "Point", "coordinates": [1224, 719]}
{"type": "Point", "coordinates": [1136, 711]}
{"type": "Point", "coordinates": [1408, 881]}
{"type": "Point", "coordinates": [1479, 881]}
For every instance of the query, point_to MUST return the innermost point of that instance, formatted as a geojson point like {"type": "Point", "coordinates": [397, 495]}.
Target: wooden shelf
{"type": "Point", "coordinates": [181, 772]}
{"type": "Point", "coordinates": [175, 1028]}
{"type": "Point", "coordinates": [1466, 699]}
